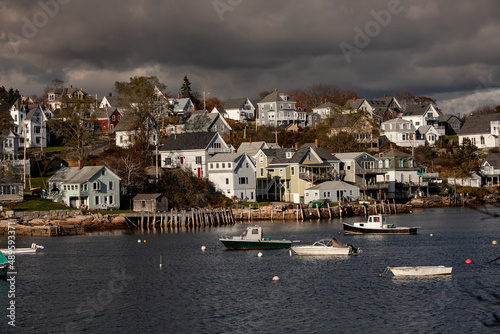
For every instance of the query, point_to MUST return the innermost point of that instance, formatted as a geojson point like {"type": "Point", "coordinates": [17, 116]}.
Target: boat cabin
{"type": "Point", "coordinates": [375, 221]}
{"type": "Point", "coordinates": [252, 233]}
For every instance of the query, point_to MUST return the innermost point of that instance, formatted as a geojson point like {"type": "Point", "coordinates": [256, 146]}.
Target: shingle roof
{"type": "Point", "coordinates": [235, 103]}
{"type": "Point", "coordinates": [142, 197]}
{"type": "Point", "coordinates": [416, 109]}
{"type": "Point", "coordinates": [274, 97]}
{"type": "Point", "coordinates": [188, 141]}
{"type": "Point", "coordinates": [200, 121]}
{"type": "Point", "coordinates": [479, 123]}
{"type": "Point", "coordinates": [393, 153]}
{"type": "Point", "coordinates": [493, 159]}
{"type": "Point", "coordinates": [75, 175]}
{"type": "Point", "coordinates": [327, 185]}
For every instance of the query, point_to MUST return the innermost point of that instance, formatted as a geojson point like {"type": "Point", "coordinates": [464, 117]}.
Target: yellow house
{"type": "Point", "coordinates": [284, 174]}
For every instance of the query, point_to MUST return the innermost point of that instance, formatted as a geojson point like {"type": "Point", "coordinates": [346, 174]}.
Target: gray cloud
{"type": "Point", "coordinates": [240, 47]}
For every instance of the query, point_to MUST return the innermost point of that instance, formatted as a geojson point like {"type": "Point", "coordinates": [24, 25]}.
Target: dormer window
{"type": "Point", "coordinates": [288, 155]}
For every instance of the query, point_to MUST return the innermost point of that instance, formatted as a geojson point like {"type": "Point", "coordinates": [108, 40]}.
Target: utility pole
{"type": "Point", "coordinates": [276, 136]}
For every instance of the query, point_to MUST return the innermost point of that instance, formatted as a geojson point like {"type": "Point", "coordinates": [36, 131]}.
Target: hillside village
{"type": "Point", "coordinates": [121, 149]}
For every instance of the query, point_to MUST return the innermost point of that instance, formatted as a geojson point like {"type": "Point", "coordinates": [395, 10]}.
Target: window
{"type": "Point", "coordinates": [281, 171]}
{"type": "Point", "coordinates": [113, 118]}
{"type": "Point", "coordinates": [261, 171]}
{"type": "Point", "coordinates": [96, 200]}
{"type": "Point", "coordinates": [223, 165]}
{"type": "Point", "coordinates": [261, 158]}
{"type": "Point", "coordinates": [85, 187]}
{"type": "Point", "coordinates": [111, 185]}
{"type": "Point", "coordinates": [168, 161]}
{"type": "Point", "coordinates": [386, 163]}
{"type": "Point", "coordinates": [292, 170]}
{"type": "Point", "coordinates": [401, 163]}
{"type": "Point", "coordinates": [410, 163]}
{"type": "Point", "coordinates": [243, 180]}
{"type": "Point", "coordinates": [247, 165]}
{"type": "Point", "coordinates": [217, 165]}
{"type": "Point", "coordinates": [211, 166]}
{"type": "Point", "coordinates": [96, 185]}
{"type": "Point", "coordinates": [227, 181]}
{"type": "Point", "coordinates": [198, 160]}
{"type": "Point", "coordinates": [228, 165]}
{"type": "Point", "coordinates": [104, 172]}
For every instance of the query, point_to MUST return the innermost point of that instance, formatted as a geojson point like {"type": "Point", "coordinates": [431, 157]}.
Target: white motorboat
{"type": "Point", "coordinates": [326, 247]}
{"type": "Point", "coordinates": [34, 247]}
{"type": "Point", "coordinates": [376, 224]}
{"type": "Point", "coordinates": [418, 271]}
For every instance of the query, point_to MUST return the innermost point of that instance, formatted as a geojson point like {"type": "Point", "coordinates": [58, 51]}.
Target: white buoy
{"type": "Point", "coordinates": [431, 235]}
{"type": "Point", "coordinates": [260, 254]}
{"type": "Point", "coordinates": [203, 248]}
{"type": "Point", "coordinates": [139, 241]}
{"type": "Point", "coordinates": [290, 252]}
{"type": "Point", "coordinates": [276, 278]}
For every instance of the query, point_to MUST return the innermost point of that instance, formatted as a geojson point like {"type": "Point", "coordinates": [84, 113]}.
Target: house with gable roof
{"type": "Point", "coordinates": [483, 130]}
{"type": "Point", "coordinates": [401, 132]}
{"type": "Point", "coordinates": [490, 169]}
{"type": "Point", "coordinates": [239, 109]}
{"type": "Point", "coordinates": [125, 132]}
{"type": "Point", "coordinates": [108, 118]}
{"type": "Point", "coordinates": [109, 101]}
{"type": "Point", "coordinates": [35, 125]}
{"type": "Point", "coordinates": [234, 175]}
{"type": "Point", "coordinates": [402, 174]}
{"type": "Point", "coordinates": [451, 124]}
{"type": "Point", "coordinates": [90, 187]}
{"type": "Point", "coordinates": [332, 191]}
{"type": "Point", "coordinates": [202, 121]}
{"type": "Point", "coordinates": [180, 106]}
{"type": "Point", "coordinates": [60, 97]}
{"type": "Point", "coordinates": [278, 109]}
{"type": "Point", "coordinates": [423, 114]}
{"type": "Point", "coordinates": [191, 151]}
{"type": "Point", "coordinates": [219, 110]}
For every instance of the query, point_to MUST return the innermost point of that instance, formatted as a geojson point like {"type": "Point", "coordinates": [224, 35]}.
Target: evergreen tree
{"type": "Point", "coordinates": [186, 88]}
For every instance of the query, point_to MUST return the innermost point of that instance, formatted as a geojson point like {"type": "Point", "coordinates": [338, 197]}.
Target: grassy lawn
{"type": "Point", "coordinates": [32, 203]}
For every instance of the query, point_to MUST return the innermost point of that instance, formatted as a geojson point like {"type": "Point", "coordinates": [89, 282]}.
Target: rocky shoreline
{"type": "Point", "coordinates": [74, 222]}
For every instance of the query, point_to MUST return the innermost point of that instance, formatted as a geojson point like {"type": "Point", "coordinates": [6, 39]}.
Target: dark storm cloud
{"type": "Point", "coordinates": [241, 47]}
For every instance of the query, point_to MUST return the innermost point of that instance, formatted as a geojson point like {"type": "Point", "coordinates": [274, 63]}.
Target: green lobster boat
{"type": "Point", "coordinates": [252, 238]}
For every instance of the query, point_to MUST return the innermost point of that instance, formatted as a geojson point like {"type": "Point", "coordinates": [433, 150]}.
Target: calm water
{"type": "Point", "coordinates": [110, 283]}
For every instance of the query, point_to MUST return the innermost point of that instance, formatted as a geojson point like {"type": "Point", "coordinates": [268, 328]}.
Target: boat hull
{"type": "Point", "coordinates": [320, 251]}
{"type": "Point", "coordinates": [421, 271]}
{"type": "Point", "coordinates": [258, 244]}
{"type": "Point", "coordinates": [350, 229]}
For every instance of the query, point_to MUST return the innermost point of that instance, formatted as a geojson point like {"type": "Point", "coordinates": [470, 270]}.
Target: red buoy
{"type": "Point", "coordinates": [468, 261]}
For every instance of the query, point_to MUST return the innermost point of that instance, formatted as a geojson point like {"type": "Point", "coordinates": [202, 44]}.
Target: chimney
{"type": "Point", "coordinates": [70, 86]}
{"type": "Point", "coordinates": [250, 140]}
{"type": "Point", "coordinates": [325, 99]}
{"type": "Point", "coordinates": [391, 146]}
{"type": "Point", "coordinates": [296, 146]}
{"type": "Point", "coordinates": [385, 95]}
{"type": "Point", "coordinates": [79, 164]}
{"type": "Point", "coordinates": [316, 142]}
{"type": "Point", "coordinates": [110, 94]}
{"type": "Point", "coordinates": [354, 98]}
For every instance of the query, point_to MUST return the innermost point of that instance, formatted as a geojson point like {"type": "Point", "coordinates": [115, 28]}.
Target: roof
{"type": "Point", "coordinates": [145, 197]}
{"type": "Point", "coordinates": [275, 96]}
{"type": "Point", "coordinates": [493, 159]}
{"type": "Point", "coordinates": [321, 152]}
{"type": "Point", "coordinates": [10, 180]}
{"type": "Point", "coordinates": [349, 155]}
{"type": "Point", "coordinates": [328, 185]}
{"type": "Point", "coordinates": [236, 103]}
{"type": "Point", "coordinates": [225, 157]}
{"type": "Point", "coordinates": [75, 175]}
{"type": "Point", "coordinates": [393, 153]}
{"type": "Point", "coordinates": [416, 109]}
{"type": "Point", "coordinates": [251, 148]}
{"type": "Point", "coordinates": [478, 124]}
{"type": "Point", "coordinates": [200, 122]}
{"type": "Point", "coordinates": [124, 125]}
{"type": "Point", "coordinates": [189, 141]}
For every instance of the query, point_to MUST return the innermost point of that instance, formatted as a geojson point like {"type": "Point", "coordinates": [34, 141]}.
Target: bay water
{"type": "Point", "coordinates": [161, 281]}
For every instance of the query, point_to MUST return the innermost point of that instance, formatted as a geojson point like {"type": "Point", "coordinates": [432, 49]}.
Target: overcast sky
{"type": "Point", "coordinates": [449, 50]}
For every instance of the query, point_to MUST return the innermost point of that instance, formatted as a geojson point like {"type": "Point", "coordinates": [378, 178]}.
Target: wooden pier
{"type": "Point", "coordinates": [180, 219]}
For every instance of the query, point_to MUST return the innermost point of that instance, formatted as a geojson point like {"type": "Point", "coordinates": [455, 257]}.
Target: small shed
{"type": "Point", "coordinates": [11, 190]}
{"type": "Point", "coordinates": [150, 203]}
